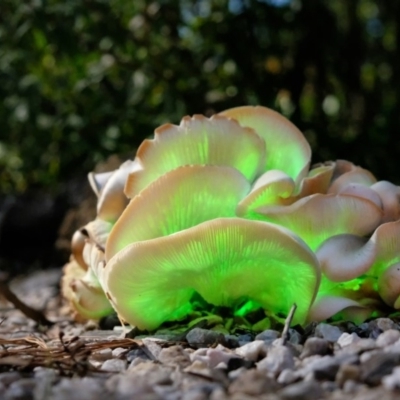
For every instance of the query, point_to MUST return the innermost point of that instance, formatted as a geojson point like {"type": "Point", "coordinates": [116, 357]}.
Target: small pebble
{"type": "Point", "coordinates": [392, 381]}
{"type": "Point", "coordinates": [347, 372]}
{"type": "Point", "coordinates": [387, 338]}
{"type": "Point", "coordinates": [114, 365]}
{"type": "Point", "coordinates": [328, 332]}
{"type": "Point", "coordinates": [174, 355]}
{"type": "Point", "coordinates": [277, 359]}
{"type": "Point", "coordinates": [315, 345]}
{"type": "Point", "coordinates": [305, 390]}
{"type": "Point", "coordinates": [199, 337]}
{"type": "Point", "coordinates": [268, 336]}
{"type": "Point", "coordinates": [253, 351]}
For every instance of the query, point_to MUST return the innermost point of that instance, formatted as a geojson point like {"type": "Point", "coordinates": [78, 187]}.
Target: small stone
{"type": "Point", "coordinates": [199, 337]}
{"type": "Point", "coordinates": [252, 351]}
{"type": "Point", "coordinates": [326, 367]}
{"type": "Point", "coordinates": [219, 355]}
{"type": "Point", "coordinates": [383, 324]}
{"type": "Point", "coordinates": [268, 336]}
{"type": "Point", "coordinates": [85, 388]}
{"type": "Point", "coordinates": [6, 378]}
{"type": "Point", "coordinates": [174, 355]}
{"type": "Point", "coordinates": [392, 381]}
{"type": "Point", "coordinates": [118, 352]}
{"type": "Point", "coordinates": [377, 366]}
{"type": "Point", "coordinates": [253, 383]}
{"type": "Point", "coordinates": [102, 355]}
{"type": "Point", "coordinates": [328, 332]}
{"type": "Point", "coordinates": [136, 353]}
{"type": "Point", "coordinates": [294, 336]}
{"type": "Point", "coordinates": [287, 376]}
{"type": "Point", "coordinates": [151, 347]}
{"type": "Point", "coordinates": [347, 372]}
{"type": "Point", "coordinates": [21, 389]}
{"type": "Point", "coordinates": [305, 390]}
{"type": "Point", "coordinates": [114, 365]}
{"type": "Point", "coordinates": [315, 345]}
{"type": "Point", "coordinates": [278, 359]}
{"type": "Point", "coordinates": [199, 368]}
{"type": "Point", "coordinates": [347, 339]}
{"type": "Point", "coordinates": [387, 338]}
{"type": "Point", "coordinates": [245, 338]}
{"type": "Point", "coordinates": [350, 386]}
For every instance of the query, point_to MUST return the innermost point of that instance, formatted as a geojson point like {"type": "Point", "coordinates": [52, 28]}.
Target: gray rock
{"type": "Point", "coordinates": [294, 336]}
{"type": "Point", "coordinates": [315, 345]}
{"type": "Point", "coordinates": [347, 372]}
{"type": "Point", "coordinates": [21, 390]}
{"type": "Point", "coordinates": [102, 355]}
{"type": "Point", "coordinates": [85, 388]}
{"type": "Point", "coordinates": [6, 378]}
{"type": "Point", "coordinates": [253, 383]}
{"type": "Point", "coordinates": [268, 336]}
{"type": "Point", "coordinates": [392, 381]}
{"type": "Point", "coordinates": [328, 332]}
{"type": "Point", "coordinates": [387, 338]}
{"type": "Point", "coordinates": [305, 390]}
{"type": "Point", "coordinates": [174, 355]}
{"type": "Point", "coordinates": [326, 367]}
{"type": "Point", "coordinates": [377, 366]}
{"type": "Point", "coordinates": [252, 351]}
{"type": "Point", "coordinates": [347, 339]}
{"type": "Point", "coordinates": [277, 359]}
{"type": "Point", "coordinates": [288, 376]}
{"type": "Point", "coordinates": [198, 337]}
{"type": "Point", "coordinates": [114, 365]}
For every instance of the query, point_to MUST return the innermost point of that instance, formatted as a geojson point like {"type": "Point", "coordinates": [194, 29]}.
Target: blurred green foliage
{"type": "Point", "coordinates": [80, 80]}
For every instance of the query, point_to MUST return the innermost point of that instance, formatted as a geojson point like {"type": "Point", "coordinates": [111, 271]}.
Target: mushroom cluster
{"type": "Point", "coordinates": [229, 209]}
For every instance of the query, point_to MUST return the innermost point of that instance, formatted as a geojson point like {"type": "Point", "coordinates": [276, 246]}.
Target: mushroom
{"type": "Point", "coordinates": [225, 260]}
{"type": "Point", "coordinates": [197, 140]}
{"type": "Point", "coordinates": [318, 217]}
{"type": "Point", "coordinates": [179, 199]}
{"type": "Point", "coordinates": [287, 149]}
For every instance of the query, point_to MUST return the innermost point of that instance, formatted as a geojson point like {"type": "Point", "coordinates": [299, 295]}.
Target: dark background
{"type": "Point", "coordinates": [81, 80]}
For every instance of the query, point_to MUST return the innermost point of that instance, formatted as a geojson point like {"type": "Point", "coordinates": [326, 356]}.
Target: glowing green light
{"type": "Point", "coordinates": [224, 260]}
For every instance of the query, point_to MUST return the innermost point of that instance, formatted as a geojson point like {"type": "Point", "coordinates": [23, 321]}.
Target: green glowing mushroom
{"type": "Point", "coordinates": [179, 199]}
{"type": "Point", "coordinates": [287, 149]}
{"type": "Point", "coordinates": [226, 261]}
{"type": "Point", "coordinates": [197, 140]}
{"type": "Point", "coordinates": [318, 217]}
{"type": "Point", "coordinates": [365, 267]}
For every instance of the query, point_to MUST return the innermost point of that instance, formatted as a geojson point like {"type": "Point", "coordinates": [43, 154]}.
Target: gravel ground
{"type": "Point", "coordinates": [76, 361]}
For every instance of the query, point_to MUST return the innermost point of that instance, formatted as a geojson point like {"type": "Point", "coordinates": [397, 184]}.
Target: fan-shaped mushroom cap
{"type": "Point", "coordinates": [318, 217]}
{"type": "Point", "coordinates": [198, 140]}
{"type": "Point", "coordinates": [360, 190]}
{"type": "Point", "coordinates": [390, 197]}
{"type": "Point", "coordinates": [112, 200]}
{"type": "Point", "coordinates": [89, 300]}
{"type": "Point", "coordinates": [272, 188]}
{"type": "Point", "coordinates": [179, 199]}
{"type": "Point", "coordinates": [317, 180]}
{"type": "Point", "coordinates": [347, 173]}
{"type": "Point", "coordinates": [389, 285]}
{"type": "Point", "coordinates": [286, 148]}
{"type": "Point", "coordinates": [345, 257]}
{"type": "Point", "coordinates": [276, 188]}
{"type": "Point", "coordinates": [83, 292]}
{"type": "Point", "coordinates": [77, 244]}
{"type": "Point", "coordinates": [98, 180]}
{"type": "Point", "coordinates": [327, 306]}
{"type": "Point", "coordinates": [224, 260]}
